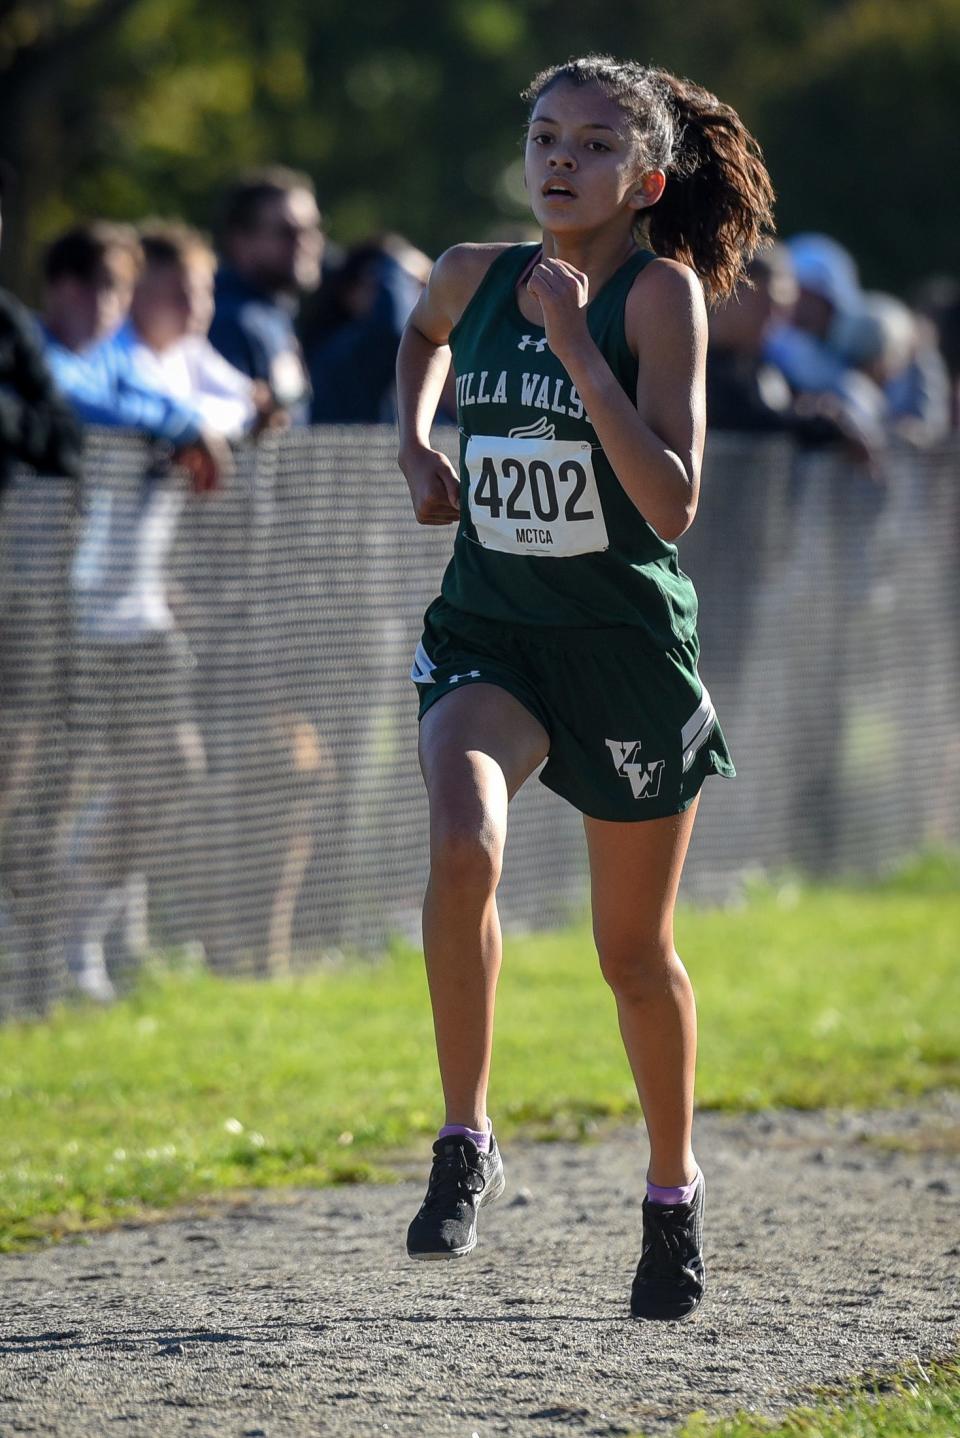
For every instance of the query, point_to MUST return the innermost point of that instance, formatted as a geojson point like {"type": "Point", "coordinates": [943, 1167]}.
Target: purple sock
{"type": "Point", "coordinates": [665, 1196]}
{"type": "Point", "coordinates": [482, 1140]}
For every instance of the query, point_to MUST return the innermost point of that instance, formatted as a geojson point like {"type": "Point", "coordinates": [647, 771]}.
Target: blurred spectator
{"type": "Point", "coordinates": [90, 274]}
{"type": "Point", "coordinates": [165, 335]}
{"type": "Point", "coordinates": [827, 286]}
{"type": "Point", "coordinates": [272, 246]}
{"type": "Point", "coordinates": [355, 332]}
{"type": "Point", "coordinates": [746, 392]}
{"type": "Point", "coordinates": [133, 719]}
{"type": "Point", "coordinates": [824, 382]}
{"type": "Point", "coordinates": [938, 304]}
{"type": "Point", "coordinates": [883, 339]}
{"type": "Point", "coordinates": [36, 426]}
{"type": "Point", "coordinates": [283, 755]}
{"type": "Point", "coordinates": [140, 753]}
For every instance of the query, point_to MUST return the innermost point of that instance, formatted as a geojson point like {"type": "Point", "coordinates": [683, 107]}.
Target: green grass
{"type": "Point", "coordinates": [922, 1402]}
{"type": "Point", "coordinates": [195, 1085]}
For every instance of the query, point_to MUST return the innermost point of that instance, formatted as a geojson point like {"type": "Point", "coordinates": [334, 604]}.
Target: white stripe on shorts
{"type": "Point", "coordinates": [423, 667]}
{"type": "Point", "coordinates": [697, 729]}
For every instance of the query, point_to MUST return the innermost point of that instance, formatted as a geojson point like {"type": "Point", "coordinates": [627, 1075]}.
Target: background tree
{"type": "Point", "coordinates": [411, 120]}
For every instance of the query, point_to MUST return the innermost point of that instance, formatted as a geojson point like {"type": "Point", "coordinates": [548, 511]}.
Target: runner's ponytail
{"type": "Point", "coordinates": [717, 206]}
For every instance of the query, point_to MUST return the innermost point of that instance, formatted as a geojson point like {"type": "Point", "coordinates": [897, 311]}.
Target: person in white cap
{"type": "Point", "coordinates": [893, 356]}
{"type": "Point", "coordinates": [805, 349]}
{"type": "Point", "coordinates": [828, 286]}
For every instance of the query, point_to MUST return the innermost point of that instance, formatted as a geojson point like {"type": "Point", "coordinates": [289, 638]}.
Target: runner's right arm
{"type": "Point", "coordinates": [423, 362]}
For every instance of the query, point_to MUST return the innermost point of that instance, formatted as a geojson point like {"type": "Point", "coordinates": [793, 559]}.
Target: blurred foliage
{"type": "Point", "coordinates": [410, 119]}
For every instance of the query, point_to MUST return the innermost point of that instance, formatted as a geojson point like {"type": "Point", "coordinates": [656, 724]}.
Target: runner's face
{"type": "Point", "coordinates": [583, 165]}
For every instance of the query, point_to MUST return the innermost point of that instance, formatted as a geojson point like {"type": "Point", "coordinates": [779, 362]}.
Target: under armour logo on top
{"type": "Point", "coordinates": [455, 678]}
{"type": "Point", "coordinates": [644, 778]}
{"type": "Point", "coordinates": [528, 340]}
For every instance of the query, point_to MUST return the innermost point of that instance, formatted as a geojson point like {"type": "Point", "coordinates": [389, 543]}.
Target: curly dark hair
{"type": "Point", "coordinates": [717, 207]}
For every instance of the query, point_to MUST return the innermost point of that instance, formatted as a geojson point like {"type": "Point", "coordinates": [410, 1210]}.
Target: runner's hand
{"type": "Point", "coordinates": [434, 486]}
{"type": "Point", "coordinates": [562, 293]}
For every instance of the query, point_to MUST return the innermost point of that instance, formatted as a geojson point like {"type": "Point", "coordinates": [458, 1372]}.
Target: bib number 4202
{"type": "Point", "coordinates": [535, 485]}
{"type": "Point", "coordinates": [534, 496]}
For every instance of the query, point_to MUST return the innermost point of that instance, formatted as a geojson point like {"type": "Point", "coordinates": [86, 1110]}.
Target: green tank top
{"type": "Point", "coordinates": [547, 535]}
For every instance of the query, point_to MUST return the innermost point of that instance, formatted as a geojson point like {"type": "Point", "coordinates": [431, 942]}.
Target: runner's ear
{"type": "Point", "coordinates": [649, 189]}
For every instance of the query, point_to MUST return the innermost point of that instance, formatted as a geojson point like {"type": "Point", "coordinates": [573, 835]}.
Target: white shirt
{"type": "Point", "coordinates": [119, 570]}
{"type": "Point", "coordinates": [193, 371]}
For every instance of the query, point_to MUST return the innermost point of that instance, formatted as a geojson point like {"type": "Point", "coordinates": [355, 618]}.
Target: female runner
{"type": "Point", "coordinates": [565, 630]}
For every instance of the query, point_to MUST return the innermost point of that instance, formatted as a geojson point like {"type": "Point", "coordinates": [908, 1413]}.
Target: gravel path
{"type": "Point", "coordinates": [297, 1314]}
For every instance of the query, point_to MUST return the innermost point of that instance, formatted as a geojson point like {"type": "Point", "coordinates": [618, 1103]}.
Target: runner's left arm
{"type": "Point", "coordinates": [655, 444]}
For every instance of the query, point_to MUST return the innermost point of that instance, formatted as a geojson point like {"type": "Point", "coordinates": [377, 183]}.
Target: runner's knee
{"type": "Point", "coordinates": [466, 851]}
{"type": "Point", "coordinates": [640, 969]}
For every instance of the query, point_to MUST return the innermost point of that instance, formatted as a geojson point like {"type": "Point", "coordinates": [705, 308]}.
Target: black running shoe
{"type": "Point", "coordinates": [670, 1276]}
{"type": "Point", "coordinates": [462, 1178]}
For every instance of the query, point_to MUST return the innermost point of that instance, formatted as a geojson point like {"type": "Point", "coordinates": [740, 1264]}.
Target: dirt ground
{"type": "Point", "coordinates": [832, 1249]}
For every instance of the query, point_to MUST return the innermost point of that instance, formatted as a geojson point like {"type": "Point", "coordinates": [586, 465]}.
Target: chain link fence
{"type": "Point", "coordinates": [208, 736]}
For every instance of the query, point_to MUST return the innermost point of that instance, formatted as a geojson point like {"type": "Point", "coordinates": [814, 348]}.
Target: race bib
{"type": "Point", "coordinates": [535, 496]}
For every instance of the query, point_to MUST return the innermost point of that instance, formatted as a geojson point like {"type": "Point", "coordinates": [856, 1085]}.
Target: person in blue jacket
{"type": "Point", "coordinates": [139, 749]}
{"type": "Point", "coordinates": [89, 274]}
